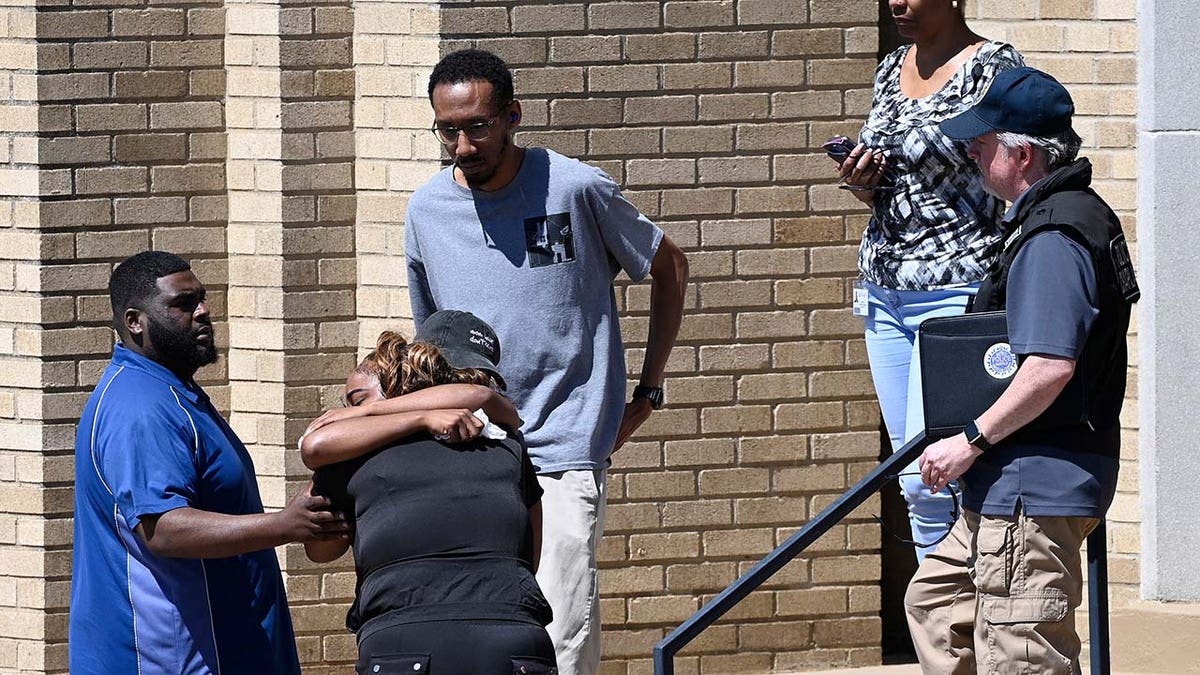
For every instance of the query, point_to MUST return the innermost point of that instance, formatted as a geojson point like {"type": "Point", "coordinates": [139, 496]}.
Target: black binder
{"type": "Point", "coordinates": [966, 364]}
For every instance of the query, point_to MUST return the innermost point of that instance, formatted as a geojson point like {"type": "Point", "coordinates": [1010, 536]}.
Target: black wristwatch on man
{"type": "Point", "coordinates": [975, 436]}
{"type": "Point", "coordinates": [652, 394]}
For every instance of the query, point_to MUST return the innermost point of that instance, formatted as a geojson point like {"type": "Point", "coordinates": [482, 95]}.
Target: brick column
{"type": "Point", "coordinates": [396, 45]}
{"type": "Point", "coordinates": [291, 259]}
{"type": "Point", "coordinates": [31, 537]}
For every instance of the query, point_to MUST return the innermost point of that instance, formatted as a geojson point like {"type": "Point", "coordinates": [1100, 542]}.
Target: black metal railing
{"type": "Point", "coordinates": [664, 651]}
{"type": "Point", "coordinates": [1097, 552]}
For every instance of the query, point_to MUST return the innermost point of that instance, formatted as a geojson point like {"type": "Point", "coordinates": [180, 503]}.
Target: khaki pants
{"type": "Point", "coordinates": [572, 523]}
{"type": "Point", "coordinates": [999, 596]}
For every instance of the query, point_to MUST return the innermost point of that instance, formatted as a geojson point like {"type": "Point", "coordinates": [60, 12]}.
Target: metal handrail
{"type": "Point", "coordinates": [1097, 552]}
{"type": "Point", "coordinates": [664, 651]}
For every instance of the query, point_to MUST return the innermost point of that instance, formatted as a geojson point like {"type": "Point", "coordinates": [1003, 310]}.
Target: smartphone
{"type": "Point", "coordinates": [838, 148]}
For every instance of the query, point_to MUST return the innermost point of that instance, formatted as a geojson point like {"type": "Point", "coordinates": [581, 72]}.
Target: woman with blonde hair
{"type": "Point", "coordinates": [445, 504]}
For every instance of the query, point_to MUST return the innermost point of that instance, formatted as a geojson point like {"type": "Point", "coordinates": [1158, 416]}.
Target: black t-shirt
{"type": "Point", "coordinates": [441, 531]}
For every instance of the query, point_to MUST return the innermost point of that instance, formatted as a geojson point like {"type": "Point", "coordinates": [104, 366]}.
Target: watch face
{"type": "Point", "coordinates": [971, 431]}
{"type": "Point", "coordinates": [975, 436]}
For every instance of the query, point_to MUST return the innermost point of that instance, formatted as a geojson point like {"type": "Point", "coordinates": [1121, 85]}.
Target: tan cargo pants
{"type": "Point", "coordinates": [999, 596]}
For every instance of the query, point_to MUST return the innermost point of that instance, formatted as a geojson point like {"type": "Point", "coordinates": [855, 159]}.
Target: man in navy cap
{"type": "Point", "coordinates": [1039, 467]}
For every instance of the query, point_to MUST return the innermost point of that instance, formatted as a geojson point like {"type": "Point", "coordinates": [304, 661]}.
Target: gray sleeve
{"type": "Point", "coordinates": [420, 296]}
{"type": "Point", "coordinates": [630, 237]}
{"type": "Point", "coordinates": [1052, 297]}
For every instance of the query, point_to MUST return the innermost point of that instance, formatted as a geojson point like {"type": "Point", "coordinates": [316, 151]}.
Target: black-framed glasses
{"type": "Point", "coordinates": [955, 512]}
{"type": "Point", "coordinates": [480, 131]}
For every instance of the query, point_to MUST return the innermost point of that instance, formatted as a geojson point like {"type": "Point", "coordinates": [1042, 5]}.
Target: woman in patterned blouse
{"type": "Point", "coordinates": [934, 231]}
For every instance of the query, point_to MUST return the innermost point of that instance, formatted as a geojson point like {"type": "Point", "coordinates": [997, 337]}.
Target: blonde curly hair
{"type": "Point", "coordinates": [402, 367]}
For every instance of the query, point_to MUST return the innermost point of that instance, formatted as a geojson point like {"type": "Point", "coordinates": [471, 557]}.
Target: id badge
{"type": "Point", "coordinates": [861, 308]}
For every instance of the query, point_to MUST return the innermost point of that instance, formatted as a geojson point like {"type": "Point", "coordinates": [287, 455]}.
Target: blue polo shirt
{"type": "Point", "coordinates": [149, 443]}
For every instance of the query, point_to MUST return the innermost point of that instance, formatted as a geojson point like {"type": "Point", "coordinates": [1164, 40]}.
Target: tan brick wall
{"type": "Point", "coordinates": [395, 47]}
{"type": "Point", "coordinates": [1091, 45]}
{"type": "Point", "coordinates": [24, 589]}
{"type": "Point", "coordinates": [395, 44]}
{"type": "Point", "coordinates": [114, 142]}
{"type": "Point", "coordinates": [292, 268]}
{"type": "Point", "coordinates": [116, 119]}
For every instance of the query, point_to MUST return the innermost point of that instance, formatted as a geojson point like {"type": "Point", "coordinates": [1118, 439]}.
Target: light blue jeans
{"type": "Point", "coordinates": [892, 322]}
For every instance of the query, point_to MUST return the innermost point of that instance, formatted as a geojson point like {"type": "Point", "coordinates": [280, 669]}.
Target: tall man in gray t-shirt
{"type": "Point", "coordinates": [531, 241]}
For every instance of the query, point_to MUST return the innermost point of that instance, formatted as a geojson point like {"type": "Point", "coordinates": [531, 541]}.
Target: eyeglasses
{"type": "Point", "coordinates": [480, 131]}
{"type": "Point", "coordinates": [953, 517]}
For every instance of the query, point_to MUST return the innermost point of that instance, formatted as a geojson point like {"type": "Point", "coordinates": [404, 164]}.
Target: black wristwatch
{"type": "Point", "coordinates": [652, 394]}
{"type": "Point", "coordinates": [975, 436]}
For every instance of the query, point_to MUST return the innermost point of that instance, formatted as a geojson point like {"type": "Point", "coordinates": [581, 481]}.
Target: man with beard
{"type": "Point", "coordinates": [173, 567]}
{"type": "Point", "coordinates": [530, 241]}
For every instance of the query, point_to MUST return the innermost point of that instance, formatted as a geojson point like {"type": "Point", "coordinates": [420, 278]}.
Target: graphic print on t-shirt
{"type": "Point", "coordinates": [549, 239]}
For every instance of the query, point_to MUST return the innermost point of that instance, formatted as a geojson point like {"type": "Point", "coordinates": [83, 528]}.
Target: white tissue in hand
{"type": "Point", "coordinates": [490, 431]}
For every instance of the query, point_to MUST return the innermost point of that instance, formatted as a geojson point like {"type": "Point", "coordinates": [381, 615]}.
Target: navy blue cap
{"type": "Point", "coordinates": [465, 340]}
{"type": "Point", "coordinates": [1020, 100]}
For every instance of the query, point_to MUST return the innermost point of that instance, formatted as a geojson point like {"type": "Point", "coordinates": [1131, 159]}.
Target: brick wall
{"type": "Point", "coordinates": [114, 142]}
{"type": "Point", "coordinates": [292, 268]}
{"type": "Point", "coordinates": [395, 46]}
{"type": "Point", "coordinates": [23, 309]}
{"type": "Point", "coordinates": [1090, 46]}
{"type": "Point", "coordinates": [117, 118]}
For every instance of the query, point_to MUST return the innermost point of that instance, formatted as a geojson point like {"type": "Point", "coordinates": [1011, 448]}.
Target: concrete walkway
{"type": "Point", "coordinates": [1148, 638]}
{"type": "Point", "coordinates": [873, 670]}
{"type": "Point", "coordinates": [916, 670]}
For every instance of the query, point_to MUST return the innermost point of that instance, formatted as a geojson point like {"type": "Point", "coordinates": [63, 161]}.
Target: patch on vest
{"type": "Point", "coordinates": [999, 361]}
{"type": "Point", "coordinates": [1012, 238]}
{"type": "Point", "coordinates": [1127, 283]}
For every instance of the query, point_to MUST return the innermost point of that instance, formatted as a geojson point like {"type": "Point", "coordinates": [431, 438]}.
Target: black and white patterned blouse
{"type": "Point", "coordinates": [938, 228]}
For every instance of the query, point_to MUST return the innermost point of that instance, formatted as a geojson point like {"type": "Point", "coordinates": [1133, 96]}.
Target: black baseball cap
{"type": "Point", "coordinates": [465, 340]}
{"type": "Point", "coordinates": [1020, 100]}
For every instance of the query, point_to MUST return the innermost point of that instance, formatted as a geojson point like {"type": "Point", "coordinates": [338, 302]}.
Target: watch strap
{"type": "Point", "coordinates": [652, 394]}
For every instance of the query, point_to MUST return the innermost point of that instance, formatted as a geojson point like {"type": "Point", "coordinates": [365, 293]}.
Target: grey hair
{"type": "Point", "coordinates": [1059, 149]}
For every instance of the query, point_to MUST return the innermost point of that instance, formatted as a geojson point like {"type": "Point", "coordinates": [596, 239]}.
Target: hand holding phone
{"type": "Point", "coordinates": [838, 148]}
{"type": "Point", "coordinates": [865, 176]}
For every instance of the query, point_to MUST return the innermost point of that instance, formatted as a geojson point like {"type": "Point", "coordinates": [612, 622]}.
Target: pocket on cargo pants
{"type": "Point", "coordinates": [995, 550]}
{"type": "Point", "coordinates": [1017, 627]}
{"type": "Point", "coordinates": [1023, 631]}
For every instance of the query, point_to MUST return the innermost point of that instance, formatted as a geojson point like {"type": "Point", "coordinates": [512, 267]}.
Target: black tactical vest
{"type": "Point", "coordinates": [1065, 203]}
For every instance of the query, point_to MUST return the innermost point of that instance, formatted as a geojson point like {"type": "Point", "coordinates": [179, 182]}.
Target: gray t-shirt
{"type": "Point", "coordinates": [1052, 303]}
{"type": "Point", "coordinates": [536, 260]}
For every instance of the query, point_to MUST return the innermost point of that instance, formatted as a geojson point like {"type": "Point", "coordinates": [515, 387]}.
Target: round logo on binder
{"type": "Point", "coordinates": [999, 361]}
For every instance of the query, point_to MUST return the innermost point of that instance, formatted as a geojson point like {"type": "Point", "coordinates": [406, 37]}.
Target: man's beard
{"type": "Point", "coordinates": [479, 181]}
{"type": "Point", "coordinates": [179, 347]}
